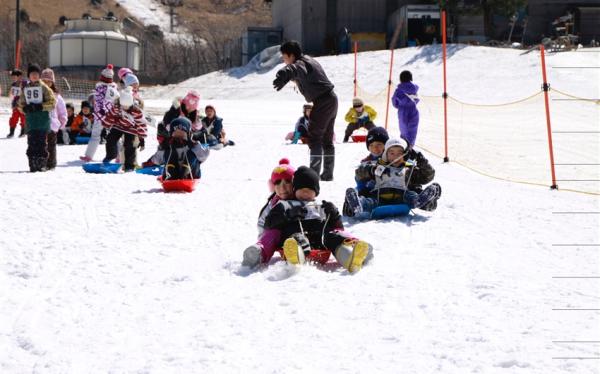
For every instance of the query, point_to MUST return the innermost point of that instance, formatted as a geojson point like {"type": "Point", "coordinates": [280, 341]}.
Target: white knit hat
{"type": "Point", "coordinates": [394, 142]}
{"type": "Point", "coordinates": [108, 72]}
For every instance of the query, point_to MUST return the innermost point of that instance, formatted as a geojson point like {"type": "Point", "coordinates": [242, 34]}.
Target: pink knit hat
{"type": "Point", "coordinates": [191, 100]}
{"type": "Point", "coordinates": [282, 171]}
{"type": "Point", "coordinates": [47, 74]}
{"type": "Point", "coordinates": [123, 72]}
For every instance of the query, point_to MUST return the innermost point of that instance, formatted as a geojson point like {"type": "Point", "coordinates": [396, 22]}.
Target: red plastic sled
{"type": "Point", "coordinates": [320, 256]}
{"type": "Point", "coordinates": [359, 138]}
{"type": "Point", "coordinates": [178, 185]}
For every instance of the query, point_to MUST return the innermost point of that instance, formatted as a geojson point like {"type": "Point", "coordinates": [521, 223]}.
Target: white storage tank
{"type": "Point", "coordinates": [93, 43]}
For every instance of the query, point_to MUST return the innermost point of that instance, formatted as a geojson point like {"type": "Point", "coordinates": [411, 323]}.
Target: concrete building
{"type": "Point", "coordinates": [319, 25]}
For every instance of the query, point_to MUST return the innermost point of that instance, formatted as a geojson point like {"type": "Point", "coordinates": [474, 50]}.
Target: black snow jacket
{"type": "Point", "coordinates": [309, 77]}
{"type": "Point", "coordinates": [294, 216]}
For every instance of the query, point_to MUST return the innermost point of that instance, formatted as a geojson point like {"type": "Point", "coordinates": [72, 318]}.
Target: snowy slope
{"type": "Point", "coordinates": [475, 75]}
{"type": "Point", "coordinates": [105, 273]}
{"type": "Point", "coordinates": [152, 12]}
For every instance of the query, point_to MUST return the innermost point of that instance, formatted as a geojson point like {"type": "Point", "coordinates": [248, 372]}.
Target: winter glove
{"type": "Point", "coordinates": [142, 144]}
{"type": "Point", "coordinates": [280, 80]}
{"type": "Point", "coordinates": [330, 209]}
{"type": "Point", "coordinates": [199, 136]}
{"type": "Point", "coordinates": [296, 213]}
{"type": "Point", "coordinates": [365, 172]}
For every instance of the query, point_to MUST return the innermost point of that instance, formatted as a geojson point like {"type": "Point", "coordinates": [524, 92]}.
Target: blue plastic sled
{"type": "Point", "coordinates": [151, 170]}
{"type": "Point", "coordinates": [387, 211]}
{"type": "Point", "coordinates": [101, 167]}
{"type": "Point", "coordinates": [82, 139]}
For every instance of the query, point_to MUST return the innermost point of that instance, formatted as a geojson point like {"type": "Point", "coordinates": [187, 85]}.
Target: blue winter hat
{"type": "Point", "coordinates": [180, 123]}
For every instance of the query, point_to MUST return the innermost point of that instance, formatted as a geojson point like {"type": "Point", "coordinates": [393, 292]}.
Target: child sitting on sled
{"type": "Point", "coordinates": [181, 107]}
{"type": "Point", "coordinates": [183, 155]}
{"type": "Point", "coordinates": [301, 129]}
{"type": "Point", "coordinates": [306, 224]}
{"type": "Point", "coordinates": [280, 185]}
{"type": "Point", "coordinates": [392, 176]}
{"type": "Point", "coordinates": [360, 115]}
{"type": "Point", "coordinates": [375, 141]}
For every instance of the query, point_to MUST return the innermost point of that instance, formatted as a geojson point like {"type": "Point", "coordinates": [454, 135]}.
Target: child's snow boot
{"type": "Point", "coordinates": [186, 171]}
{"type": "Point", "coordinates": [252, 256]}
{"type": "Point", "coordinates": [22, 133]}
{"type": "Point", "coordinates": [429, 194]}
{"type": "Point", "coordinates": [352, 253]}
{"type": "Point", "coordinates": [352, 205]}
{"type": "Point", "coordinates": [432, 205]}
{"type": "Point", "coordinates": [294, 248]}
{"type": "Point", "coordinates": [11, 133]}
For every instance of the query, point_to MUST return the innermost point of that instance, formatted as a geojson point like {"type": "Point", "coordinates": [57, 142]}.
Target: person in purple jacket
{"type": "Point", "coordinates": [105, 94]}
{"type": "Point", "coordinates": [405, 99]}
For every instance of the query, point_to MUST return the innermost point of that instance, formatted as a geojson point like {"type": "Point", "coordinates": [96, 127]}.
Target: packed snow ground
{"type": "Point", "coordinates": [106, 273]}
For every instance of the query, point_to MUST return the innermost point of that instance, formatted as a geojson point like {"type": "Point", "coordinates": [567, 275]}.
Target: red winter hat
{"type": "Point", "coordinates": [107, 74]}
{"type": "Point", "coordinates": [282, 171]}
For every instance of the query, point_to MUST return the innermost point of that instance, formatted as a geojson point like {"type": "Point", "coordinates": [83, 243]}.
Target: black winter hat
{"type": "Point", "coordinates": [305, 177]}
{"type": "Point", "coordinates": [377, 134]}
{"type": "Point", "coordinates": [16, 72]}
{"type": "Point", "coordinates": [86, 104]}
{"type": "Point", "coordinates": [405, 76]}
{"type": "Point", "coordinates": [33, 67]}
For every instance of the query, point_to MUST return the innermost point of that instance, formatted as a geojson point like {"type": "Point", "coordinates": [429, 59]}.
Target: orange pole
{"type": "Point", "coordinates": [355, 60]}
{"type": "Point", "coordinates": [546, 88]}
{"type": "Point", "coordinates": [387, 107]}
{"type": "Point", "coordinates": [18, 55]}
{"type": "Point", "coordinates": [445, 94]}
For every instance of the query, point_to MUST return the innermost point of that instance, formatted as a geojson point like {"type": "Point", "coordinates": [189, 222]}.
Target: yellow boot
{"type": "Point", "coordinates": [352, 254]}
{"type": "Point", "coordinates": [293, 252]}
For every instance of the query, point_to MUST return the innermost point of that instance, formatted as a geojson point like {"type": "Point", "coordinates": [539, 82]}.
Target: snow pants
{"type": "Point", "coordinates": [92, 146]}
{"type": "Point", "coordinates": [268, 243]}
{"type": "Point", "coordinates": [16, 117]}
{"type": "Point", "coordinates": [320, 133]}
{"type": "Point", "coordinates": [51, 141]}
{"type": "Point", "coordinates": [112, 148]}
{"type": "Point", "coordinates": [37, 150]}
{"type": "Point", "coordinates": [355, 126]}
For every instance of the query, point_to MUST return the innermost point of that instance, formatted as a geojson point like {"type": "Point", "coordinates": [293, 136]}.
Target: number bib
{"type": "Point", "coordinates": [15, 91]}
{"type": "Point", "coordinates": [34, 95]}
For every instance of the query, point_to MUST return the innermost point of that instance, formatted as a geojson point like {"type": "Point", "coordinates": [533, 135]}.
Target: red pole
{"type": "Point", "coordinates": [445, 94]}
{"type": "Point", "coordinates": [546, 88]}
{"type": "Point", "coordinates": [387, 108]}
{"type": "Point", "coordinates": [355, 54]}
{"type": "Point", "coordinates": [18, 55]}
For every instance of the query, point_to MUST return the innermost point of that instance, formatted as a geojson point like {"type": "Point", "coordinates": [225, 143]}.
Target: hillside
{"type": "Point", "coordinates": [217, 24]}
